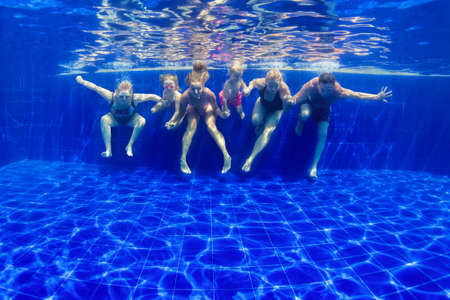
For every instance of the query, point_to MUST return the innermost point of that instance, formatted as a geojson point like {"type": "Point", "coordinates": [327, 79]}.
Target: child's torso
{"type": "Point", "coordinates": [232, 88]}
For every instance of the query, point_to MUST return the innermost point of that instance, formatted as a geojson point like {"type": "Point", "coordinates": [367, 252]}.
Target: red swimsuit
{"type": "Point", "coordinates": [235, 102]}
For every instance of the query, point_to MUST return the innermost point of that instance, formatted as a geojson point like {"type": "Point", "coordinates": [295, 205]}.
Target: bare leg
{"type": "Point", "coordinates": [106, 122]}
{"type": "Point", "coordinates": [210, 120]}
{"type": "Point", "coordinates": [187, 139]}
{"type": "Point", "coordinates": [158, 107]}
{"type": "Point", "coordinates": [137, 122]}
{"type": "Point", "coordinates": [263, 139]}
{"type": "Point", "coordinates": [322, 130]}
{"type": "Point", "coordinates": [258, 115]}
{"type": "Point", "coordinates": [225, 107]}
{"type": "Point", "coordinates": [240, 112]}
{"type": "Point", "coordinates": [305, 112]}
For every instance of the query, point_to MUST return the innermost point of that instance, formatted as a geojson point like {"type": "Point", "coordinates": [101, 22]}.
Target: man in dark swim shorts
{"type": "Point", "coordinates": [316, 97]}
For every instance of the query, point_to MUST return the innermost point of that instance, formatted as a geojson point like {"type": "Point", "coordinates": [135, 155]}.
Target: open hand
{"type": "Point", "coordinates": [79, 79]}
{"type": "Point", "coordinates": [290, 101]}
{"type": "Point", "coordinates": [170, 125]}
{"type": "Point", "coordinates": [384, 93]}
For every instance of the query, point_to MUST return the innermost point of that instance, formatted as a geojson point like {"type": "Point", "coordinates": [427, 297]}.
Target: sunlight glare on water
{"type": "Point", "coordinates": [134, 34]}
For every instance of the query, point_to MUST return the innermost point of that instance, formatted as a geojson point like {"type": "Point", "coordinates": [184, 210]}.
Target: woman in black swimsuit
{"type": "Point", "coordinates": [122, 103]}
{"type": "Point", "coordinates": [273, 95]}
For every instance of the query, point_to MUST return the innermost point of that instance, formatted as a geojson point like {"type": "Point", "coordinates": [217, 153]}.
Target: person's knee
{"type": "Point", "coordinates": [269, 130]}
{"type": "Point", "coordinates": [191, 130]}
{"type": "Point", "coordinates": [211, 127]}
{"type": "Point", "coordinates": [192, 126]}
{"type": "Point", "coordinates": [304, 115]}
{"type": "Point", "coordinates": [140, 122]}
{"type": "Point", "coordinates": [106, 120]}
{"type": "Point", "coordinates": [257, 120]}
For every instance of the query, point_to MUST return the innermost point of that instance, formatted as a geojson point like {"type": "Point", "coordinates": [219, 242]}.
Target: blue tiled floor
{"type": "Point", "coordinates": [75, 231]}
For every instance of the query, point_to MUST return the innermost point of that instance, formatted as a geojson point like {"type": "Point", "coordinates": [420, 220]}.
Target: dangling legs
{"type": "Point", "coordinates": [269, 127]}
{"type": "Point", "coordinates": [137, 122]}
{"type": "Point", "coordinates": [240, 112]}
{"type": "Point", "coordinates": [322, 130]}
{"type": "Point", "coordinates": [106, 122]}
{"type": "Point", "coordinates": [187, 139]}
{"type": "Point", "coordinates": [258, 115]}
{"type": "Point", "coordinates": [210, 121]}
{"type": "Point", "coordinates": [305, 112]}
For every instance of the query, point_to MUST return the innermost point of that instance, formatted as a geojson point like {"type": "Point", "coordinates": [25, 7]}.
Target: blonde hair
{"type": "Point", "coordinates": [274, 74]}
{"type": "Point", "coordinates": [124, 86]}
{"type": "Point", "coordinates": [164, 77]}
{"type": "Point", "coordinates": [236, 67]}
{"type": "Point", "coordinates": [199, 73]}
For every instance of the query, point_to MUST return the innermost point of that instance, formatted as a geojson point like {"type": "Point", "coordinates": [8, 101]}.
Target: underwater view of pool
{"type": "Point", "coordinates": [80, 231]}
{"type": "Point", "coordinates": [223, 149]}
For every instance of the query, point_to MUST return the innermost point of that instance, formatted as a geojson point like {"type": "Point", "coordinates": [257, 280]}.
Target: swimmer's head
{"type": "Point", "coordinates": [198, 69]}
{"type": "Point", "coordinates": [124, 90]}
{"type": "Point", "coordinates": [326, 84]}
{"type": "Point", "coordinates": [169, 81]}
{"type": "Point", "coordinates": [196, 89]}
{"type": "Point", "coordinates": [273, 80]}
{"type": "Point", "coordinates": [236, 70]}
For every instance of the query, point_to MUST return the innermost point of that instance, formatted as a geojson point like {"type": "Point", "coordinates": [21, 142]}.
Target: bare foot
{"type": "Point", "coordinates": [313, 173]}
{"type": "Point", "coordinates": [226, 164]}
{"type": "Point", "coordinates": [184, 167]}
{"type": "Point", "coordinates": [247, 166]}
{"type": "Point", "coordinates": [299, 128]}
{"type": "Point", "coordinates": [107, 153]}
{"type": "Point", "coordinates": [129, 150]}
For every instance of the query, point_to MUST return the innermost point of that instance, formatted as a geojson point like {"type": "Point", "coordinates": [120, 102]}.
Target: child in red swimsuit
{"type": "Point", "coordinates": [231, 92]}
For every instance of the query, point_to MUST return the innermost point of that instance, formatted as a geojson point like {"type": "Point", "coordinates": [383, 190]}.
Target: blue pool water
{"type": "Point", "coordinates": [80, 231]}
{"type": "Point", "coordinates": [375, 225]}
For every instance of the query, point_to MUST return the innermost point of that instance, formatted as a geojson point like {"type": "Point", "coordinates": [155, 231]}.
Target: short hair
{"type": "Point", "coordinates": [274, 74]}
{"type": "Point", "coordinates": [164, 77]}
{"type": "Point", "coordinates": [326, 78]}
{"type": "Point", "coordinates": [124, 86]}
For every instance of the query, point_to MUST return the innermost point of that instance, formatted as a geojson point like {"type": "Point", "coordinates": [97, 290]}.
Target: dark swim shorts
{"type": "Point", "coordinates": [320, 114]}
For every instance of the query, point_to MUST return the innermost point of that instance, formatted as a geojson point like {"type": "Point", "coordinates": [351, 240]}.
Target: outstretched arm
{"type": "Point", "coordinates": [303, 94]}
{"type": "Point", "coordinates": [139, 98]}
{"type": "Point", "coordinates": [215, 107]}
{"type": "Point", "coordinates": [243, 85]}
{"type": "Point", "coordinates": [381, 96]}
{"type": "Point", "coordinates": [285, 94]}
{"type": "Point", "coordinates": [255, 83]}
{"type": "Point", "coordinates": [180, 111]}
{"type": "Point", "coordinates": [107, 95]}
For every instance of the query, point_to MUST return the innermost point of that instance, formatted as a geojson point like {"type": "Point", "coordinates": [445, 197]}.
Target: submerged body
{"type": "Point", "coordinates": [231, 93]}
{"type": "Point", "coordinates": [196, 102]}
{"type": "Point", "coordinates": [274, 94]}
{"type": "Point", "coordinates": [122, 104]}
{"type": "Point", "coordinates": [171, 97]}
{"type": "Point", "coordinates": [315, 99]}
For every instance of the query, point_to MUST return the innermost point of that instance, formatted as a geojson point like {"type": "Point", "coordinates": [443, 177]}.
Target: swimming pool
{"type": "Point", "coordinates": [80, 231]}
{"type": "Point", "coordinates": [76, 225]}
